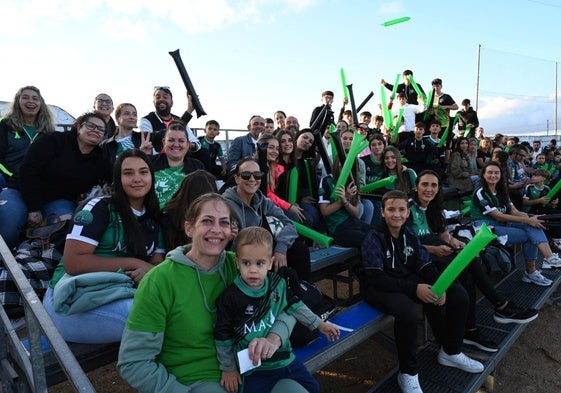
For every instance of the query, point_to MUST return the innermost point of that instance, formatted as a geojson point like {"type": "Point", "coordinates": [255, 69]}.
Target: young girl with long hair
{"type": "Point", "coordinates": [117, 233]}
{"type": "Point", "coordinates": [491, 204]}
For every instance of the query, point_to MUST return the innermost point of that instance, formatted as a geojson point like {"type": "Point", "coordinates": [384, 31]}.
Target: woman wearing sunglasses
{"type": "Point", "coordinates": [252, 208]}
{"type": "Point", "coordinates": [56, 172]}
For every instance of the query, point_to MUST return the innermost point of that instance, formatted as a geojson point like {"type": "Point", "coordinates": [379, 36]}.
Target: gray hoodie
{"type": "Point", "coordinates": [248, 216]}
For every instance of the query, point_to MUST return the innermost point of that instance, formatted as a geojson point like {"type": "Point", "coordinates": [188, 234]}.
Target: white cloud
{"type": "Point", "coordinates": [390, 8]}
{"type": "Point", "coordinates": [520, 116]}
{"type": "Point", "coordinates": [138, 15]}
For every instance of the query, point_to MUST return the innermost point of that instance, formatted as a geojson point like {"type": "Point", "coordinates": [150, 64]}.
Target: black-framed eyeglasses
{"type": "Point", "coordinates": [161, 88]}
{"type": "Point", "coordinates": [246, 175]}
{"type": "Point", "coordinates": [102, 101]}
{"type": "Point", "coordinates": [92, 126]}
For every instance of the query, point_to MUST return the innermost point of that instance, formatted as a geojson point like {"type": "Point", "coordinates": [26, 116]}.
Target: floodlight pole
{"type": "Point", "coordinates": [477, 82]}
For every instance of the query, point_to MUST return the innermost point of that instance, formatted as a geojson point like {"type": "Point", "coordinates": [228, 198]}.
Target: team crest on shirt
{"type": "Point", "coordinates": [408, 251]}
{"type": "Point", "coordinates": [83, 218]}
{"type": "Point", "coordinates": [249, 310]}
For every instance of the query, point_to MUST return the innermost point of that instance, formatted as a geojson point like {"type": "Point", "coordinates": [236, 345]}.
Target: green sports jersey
{"type": "Point", "coordinates": [419, 222]}
{"type": "Point", "coordinates": [532, 192]}
{"type": "Point", "coordinates": [99, 224]}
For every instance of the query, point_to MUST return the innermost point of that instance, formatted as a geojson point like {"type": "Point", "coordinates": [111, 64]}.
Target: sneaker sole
{"type": "Point", "coordinates": [480, 346]}
{"type": "Point", "coordinates": [541, 284]}
{"type": "Point", "coordinates": [511, 320]}
{"type": "Point", "coordinates": [447, 363]}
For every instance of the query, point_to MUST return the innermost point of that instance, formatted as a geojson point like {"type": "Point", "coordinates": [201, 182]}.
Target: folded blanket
{"type": "Point", "coordinates": [76, 294]}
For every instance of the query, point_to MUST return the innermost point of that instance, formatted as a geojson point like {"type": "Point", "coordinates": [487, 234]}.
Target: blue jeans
{"type": "Point", "coordinates": [53, 210]}
{"type": "Point", "coordinates": [266, 380]}
{"type": "Point", "coordinates": [13, 214]}
{"type": "Point", "coordinates": [366, 211]}
{"type": "Point", "coordinates": [104, 324]}
{"type": "Point", "coordinates": [519, 233]}
{"type": "Point", "coordinates": [312, 214]}
{"type": "Point", "coordinates": [2, 181]}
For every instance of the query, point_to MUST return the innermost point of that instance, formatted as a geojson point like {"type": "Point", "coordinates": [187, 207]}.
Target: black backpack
{"type": "Point", "coordinates": [497, 258]}
{"type": "Point", "coordinates": [320, 304]}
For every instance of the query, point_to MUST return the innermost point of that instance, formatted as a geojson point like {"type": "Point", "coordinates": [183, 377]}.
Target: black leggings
{"type": "Point", "coordinates": [472, 277]}
{"type": "Point", "coordinates": [447, 322]}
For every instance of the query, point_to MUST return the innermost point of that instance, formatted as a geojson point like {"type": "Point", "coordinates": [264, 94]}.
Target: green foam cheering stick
{"type": "Point", "coordinates": [416, 87]}
{"type": "Point", "coordinates": [293, 186]}
{"type": "Point", "coordinates": [311, 234]}
{"type": "Point", "coordinates": [356, 147]}
{"type": "Point", "coordinates": [396, 21]}
{"type": "Point", "coordinates": [459, 263]}
{"type": "Point", "coordinates": [554, 190]}
{"type": "Point", "coordinates": [378, 184]}
{"type": "Point", "coordinates": [397, 125]}
{"type": "Point", "coordinates": [394, 90]}
{"type": "Point", "coordinates": [388, 120]}
{"type": "Point", "coordinates": [344, 82]}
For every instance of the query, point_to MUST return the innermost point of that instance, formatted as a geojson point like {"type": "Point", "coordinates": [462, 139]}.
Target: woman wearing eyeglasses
{"type": "Point", "coordinates": [252, 208]}
{"type": "Point", "coordinates": [56, 172]}
{"type": "Point", "coordinates": [125, 138]}
{"type": "Point", "coordinates": [103, 105]}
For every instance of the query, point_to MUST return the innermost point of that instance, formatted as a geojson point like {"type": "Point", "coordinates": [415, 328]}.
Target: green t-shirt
{"type": "Point", "coordinates": [168, 182]}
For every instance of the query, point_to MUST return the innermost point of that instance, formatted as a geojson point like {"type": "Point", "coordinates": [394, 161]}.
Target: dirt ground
{"type": "Point", "coordinates": [533, 365]}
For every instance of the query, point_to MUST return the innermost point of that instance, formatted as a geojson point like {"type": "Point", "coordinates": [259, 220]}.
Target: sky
{"type": "Point", "coordinates": [247, 57]}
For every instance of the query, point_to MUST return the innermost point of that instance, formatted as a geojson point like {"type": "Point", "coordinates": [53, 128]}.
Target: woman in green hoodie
{"type": "Point", "coordinates": [168, 343]}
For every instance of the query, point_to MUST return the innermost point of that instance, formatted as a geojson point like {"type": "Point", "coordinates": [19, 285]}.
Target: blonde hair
{"type": "Point", "coordinates": [255, 235]}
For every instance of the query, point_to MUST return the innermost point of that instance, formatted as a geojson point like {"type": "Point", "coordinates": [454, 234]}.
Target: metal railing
{"type": "Point", "coordinates": [22, 370]}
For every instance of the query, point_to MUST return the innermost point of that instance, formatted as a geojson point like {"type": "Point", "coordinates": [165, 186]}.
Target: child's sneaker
{"type": "Point", "coordinates": [553, 260]}
{"type": "Point", "coordinates": [460, 361]}
{"type": "Point", "coordinates": [409, 383]}
{"type": "Point", "coordinates": [536, 278]}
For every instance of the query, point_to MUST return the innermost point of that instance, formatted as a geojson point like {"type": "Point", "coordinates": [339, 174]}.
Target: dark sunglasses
{"type": "Point", "coordinates": [161, 88]}
{"type": "Point", "coordinates": [246, 175]}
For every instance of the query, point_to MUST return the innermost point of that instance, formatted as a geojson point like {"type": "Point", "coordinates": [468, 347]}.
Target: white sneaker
{"type": "Point", "coordinates": [546, 265]}
{"type": "Point", "coordinates": [536, 278]}
{"type": "Point", "coordinates": [409, 383]}
{"type": "Point", "coordinates": [460, 361]}
{"type": "Point", "coordinates": [553, 260]}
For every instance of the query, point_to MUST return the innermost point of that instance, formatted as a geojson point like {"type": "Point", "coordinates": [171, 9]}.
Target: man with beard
{"type": "Point", "coordinates": [292, 124]}
{"type": "Point", "coordinates": [158, 120]}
